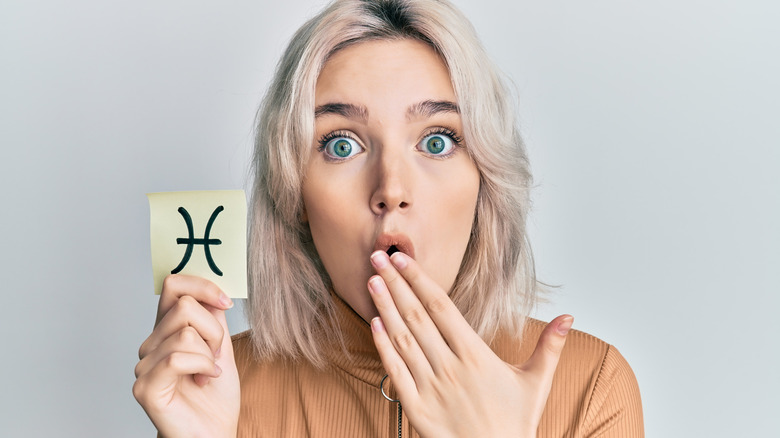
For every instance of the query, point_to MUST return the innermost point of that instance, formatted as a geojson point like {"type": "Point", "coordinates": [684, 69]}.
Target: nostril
{"type": "Point", "coordinates": [403, 204]}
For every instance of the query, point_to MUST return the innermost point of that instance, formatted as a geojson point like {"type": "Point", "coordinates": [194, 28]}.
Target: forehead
{"type": "Point", "coordinates": [384, 72]}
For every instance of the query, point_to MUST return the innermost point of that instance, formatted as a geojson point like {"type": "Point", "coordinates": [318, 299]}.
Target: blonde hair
{"type": "Point", "coordinates": [289, 301]}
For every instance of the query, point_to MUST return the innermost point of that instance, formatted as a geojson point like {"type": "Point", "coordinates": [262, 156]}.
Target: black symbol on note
{"type": "Point", "coordinates": [191, 241]}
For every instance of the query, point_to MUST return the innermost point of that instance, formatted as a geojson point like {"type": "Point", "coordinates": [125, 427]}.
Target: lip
{"type": "Point", "coordinates": [399, 240]}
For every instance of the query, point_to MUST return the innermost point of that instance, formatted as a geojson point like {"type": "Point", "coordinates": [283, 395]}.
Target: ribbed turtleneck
{"type": "Point", "coordinates": [594, 391]}
{"type": "Point", "coordinates": [362, 360]}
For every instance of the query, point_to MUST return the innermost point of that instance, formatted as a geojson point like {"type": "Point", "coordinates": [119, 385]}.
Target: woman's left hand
{"type": "Point", "coordinates": [447, 378]}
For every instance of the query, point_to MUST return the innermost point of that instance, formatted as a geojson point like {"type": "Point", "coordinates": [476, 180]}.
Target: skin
{"type": "Point", "coordinates": [394, 185]}
{"type": "Point", "coordinates": [448, 380]}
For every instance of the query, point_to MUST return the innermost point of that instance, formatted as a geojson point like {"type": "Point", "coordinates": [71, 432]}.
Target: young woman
{"type": "Point", "coordinates": [390, 271]}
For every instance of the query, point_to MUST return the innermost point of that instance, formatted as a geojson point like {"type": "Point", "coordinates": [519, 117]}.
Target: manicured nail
{"type": "Point", "coordinates": [565, 325]}
{"type": "Point", "coordinates": [377, 325]}
{"type": "Point", "coordinates": [399, 260]}
{"type": "Point", "coordinates": [375, 284]}
{"type": "Point", "coordinates": [225, 301]}
{"type": "Point", "coordinates": [379, 259]}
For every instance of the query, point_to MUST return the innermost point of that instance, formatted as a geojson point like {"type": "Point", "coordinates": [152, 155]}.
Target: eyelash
{"type": "Point", "coordinates": [330, 136]}
{"type": "Point", "coordinates": [458, 140]}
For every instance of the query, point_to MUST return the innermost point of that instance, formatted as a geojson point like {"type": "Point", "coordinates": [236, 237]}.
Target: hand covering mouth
{"type": "Point", "coordinates": [392, 243]}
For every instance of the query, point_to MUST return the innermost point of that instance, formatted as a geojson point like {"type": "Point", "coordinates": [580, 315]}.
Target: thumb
{"type": "Point", "coordinates": [548, 349]}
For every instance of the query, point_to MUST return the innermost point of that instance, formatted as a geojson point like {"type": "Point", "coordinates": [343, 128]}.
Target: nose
{"type": "Point", "coordinates": [392, 186]}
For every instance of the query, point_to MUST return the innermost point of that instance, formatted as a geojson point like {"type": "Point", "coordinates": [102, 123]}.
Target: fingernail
{"type": "Point", "coordinates": [217, 369]}
{"type": "Point", "coordinates": [218, 352]}
{"type": "Point", "coordinates": [377, 325]}
{"type": "Point", "coordinates": [375, 284]}
{"type": "Point", "coordinates": [225, 301]}
{"type": "Point", "coordinates": [379, 259]}
{"type": "Point", "coordinates": [399, 260]}
{"type": "Point", "coordinates": [565, 325]}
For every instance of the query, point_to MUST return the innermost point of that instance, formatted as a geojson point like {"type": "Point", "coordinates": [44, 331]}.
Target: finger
{"type": "Point", "coordinates": [176, 286]}
{"type": "Point", "coordinates": [186, 312]}
{"type": "Point", "coordinates": [392, 362]}
{"type": "Point", "coordinates": [400, 336]}
{"type": "Point", "coordinates": [548, 349]}
{"type": "Point", "coordinates": [412, 313]}
{"type": "Point", "coordinates": [162, 378]}
{"type": "Point", "coordinates": [454, 328]}
{"type": "Point", "coordinates": [186, 340]}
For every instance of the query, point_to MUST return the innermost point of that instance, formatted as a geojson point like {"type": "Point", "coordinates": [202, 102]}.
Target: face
{"type": "Point", "coordinates": [389, 167]}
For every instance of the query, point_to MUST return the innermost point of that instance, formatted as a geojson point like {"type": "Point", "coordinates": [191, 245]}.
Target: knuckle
{"type": "Point", "coordinates": [143, 349]}
{"type": "Point", "coordinates": [169, 282]}
{"type": "Point", "coordinates": [395, 370]}
{"type": "Point", "coordinates": [186, 304]}
{"type": "Point", "coordinates": [221, 331]}
{"type": "Point", "coordinates": [137, 369]}
{"type": "Point", "coordinates": [139, 391]}
{"type": "Point", "coordinates": [437, 304]}
{"type": "Point", "coordinates": [174, 360]}
{"type": "Point", "coordinates": [404, 340]}
{"type": "Point", "coordinates": [414, 316]}
{"type": "Point", "coordinates": [188, 335]}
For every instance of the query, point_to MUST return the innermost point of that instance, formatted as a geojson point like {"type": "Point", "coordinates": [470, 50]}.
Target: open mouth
{"type": "Point", "coordinates": [393, 243]}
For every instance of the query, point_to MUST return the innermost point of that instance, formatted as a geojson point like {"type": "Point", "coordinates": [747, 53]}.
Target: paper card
{"type": "Point", "coordinates": [200, 233]}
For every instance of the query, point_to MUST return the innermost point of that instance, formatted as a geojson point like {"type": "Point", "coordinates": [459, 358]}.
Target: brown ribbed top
{"type": "Point", "coordinates": [594, 391]}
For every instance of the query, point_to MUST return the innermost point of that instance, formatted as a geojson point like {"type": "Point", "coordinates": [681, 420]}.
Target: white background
{"type": "Point", "coordinates": [652, 129]}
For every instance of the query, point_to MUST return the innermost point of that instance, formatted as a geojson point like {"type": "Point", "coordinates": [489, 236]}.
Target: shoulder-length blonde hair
{"type": "Point", "coordinates": [289, 301]}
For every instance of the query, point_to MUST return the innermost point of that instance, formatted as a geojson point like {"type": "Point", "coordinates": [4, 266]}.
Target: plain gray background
{"type": "Point", "coordinates": [652, 130]}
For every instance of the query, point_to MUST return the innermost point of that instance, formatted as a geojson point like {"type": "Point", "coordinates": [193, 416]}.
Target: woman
{"type": "Point", "coordinates": [391, 277]}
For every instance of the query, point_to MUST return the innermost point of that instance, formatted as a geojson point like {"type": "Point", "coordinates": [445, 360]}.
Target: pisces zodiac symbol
{"type": "Point", "coordinates": [191, 241]}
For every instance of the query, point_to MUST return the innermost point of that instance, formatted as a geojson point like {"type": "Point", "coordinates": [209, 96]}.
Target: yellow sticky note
{"type": "Point", "coordinates": [200, 233]}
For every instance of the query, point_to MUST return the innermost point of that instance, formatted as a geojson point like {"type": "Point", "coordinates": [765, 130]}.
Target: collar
{"type": "Point", "coordinates": [357, 356]}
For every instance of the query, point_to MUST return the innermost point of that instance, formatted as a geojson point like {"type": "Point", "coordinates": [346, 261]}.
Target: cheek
{"type": "Point", "coordinates": [331, 202]}
{"type": "Point", "coordinates": [454, 217]}
{"type": "Point", "coordinates": [462, 201]}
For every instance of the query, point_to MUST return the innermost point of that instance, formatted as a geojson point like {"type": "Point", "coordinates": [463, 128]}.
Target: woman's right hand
{"type": "Point", "coordinates": [186, 380]}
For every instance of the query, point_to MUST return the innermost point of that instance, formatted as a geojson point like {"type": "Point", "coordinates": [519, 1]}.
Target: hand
{"type": "Point", "coordinates": [448, 380]}
{"type": "Point", "coordinates": [186, 380]}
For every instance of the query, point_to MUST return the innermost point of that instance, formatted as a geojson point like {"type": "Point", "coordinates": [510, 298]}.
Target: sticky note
{"type": "Point", "coordinates": [200, 233]}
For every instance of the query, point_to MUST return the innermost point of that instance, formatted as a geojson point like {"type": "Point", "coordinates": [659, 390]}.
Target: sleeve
{"type": "Point", "coordinates": [615, 407]}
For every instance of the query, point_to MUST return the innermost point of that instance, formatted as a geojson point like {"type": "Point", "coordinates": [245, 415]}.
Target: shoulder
{"type": "Point", "coordinates": [242, 344]}
{"type": "Point", "coordinates": [594, 391]}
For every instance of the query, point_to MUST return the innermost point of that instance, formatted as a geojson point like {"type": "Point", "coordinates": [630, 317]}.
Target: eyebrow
{"type": "Point", "coordinates": [346, 110]}
{"type": "Point", "coordinates": [429, 108]}
{"type": "Point", "coordinates": [425, 109]}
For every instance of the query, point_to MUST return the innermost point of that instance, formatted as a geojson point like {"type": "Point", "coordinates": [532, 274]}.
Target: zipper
{"type": "Point", "coordinates": [400, 419]}
{"type": "Point", "coordinates": [400, 410]}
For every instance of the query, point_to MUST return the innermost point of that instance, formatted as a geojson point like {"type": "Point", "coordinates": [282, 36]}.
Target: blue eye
{"type": "Point", "coordinates": [437, 144]}
{"type": "Point", "coordinates": [339, 148]}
